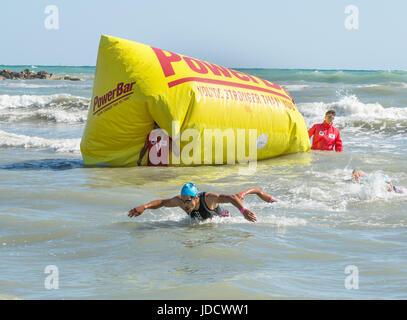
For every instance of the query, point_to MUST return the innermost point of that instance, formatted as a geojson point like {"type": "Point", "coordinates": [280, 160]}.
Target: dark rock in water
{"type": "Point", "coordinates": [27, 74]}
{"type": "Point", "coordinates": [16, 75]}
{"type": "Point", "coordinates": [6, 74]}
{"type": "Point", "coordinates": [43, 75]}
{"type": "Point", "coordinates": [72, 78]}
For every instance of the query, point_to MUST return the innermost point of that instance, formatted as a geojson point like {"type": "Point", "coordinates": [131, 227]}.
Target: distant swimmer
{"type": "Point", "coordinates": [326, 136]}
{"type": "Point", "coordinates": [357, 174]}
{"type": "Point", "coordinates": [205, 205]}
{"type": "Point", "coordinates": [158, 144]}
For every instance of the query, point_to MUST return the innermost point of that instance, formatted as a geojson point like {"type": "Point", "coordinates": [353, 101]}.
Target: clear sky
{"type": "Point", "coordinates": [255, 33]}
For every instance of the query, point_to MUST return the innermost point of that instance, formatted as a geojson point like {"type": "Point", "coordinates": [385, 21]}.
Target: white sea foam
{"type": "Point", "coordinates": [399, 84]}
{"type": "Point", "coordinates": [171, 216]}
{"type": "Point", "coordinates": [22, 141]}
{"type": "Point", "coordinates": [296, 87]}
{"type": "Point", "coordinates": [33, 85]}
{"type": "Point", "coordinates": [373, 187]}
{"type": "Point", "coordinates": [237, 218]}
{"type": "Point", "coordinates": [351, 106]}
{"type": "Point", "coordinates": [53, 115]}
{"type": "Point", "coordinates": [333, 191]}
{"type": "Point", "coordinates": [367, 85]}
{"type": "Point", "coordinates": [56, 108]}
{"type": "Point", "coordinates": [9, 101]}
{"type": "Point", "coordinates": [383, 89]}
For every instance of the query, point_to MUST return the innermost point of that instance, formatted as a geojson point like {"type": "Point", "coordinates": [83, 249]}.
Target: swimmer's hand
{"type": "Point", "coordinates": [135, 212]}
{"type": "Point", "coordinates": [241, 195]}
{"type": "Point", "coordinates": [250, 216]}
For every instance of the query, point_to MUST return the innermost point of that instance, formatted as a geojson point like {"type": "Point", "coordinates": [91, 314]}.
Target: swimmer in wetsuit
{"type": "Point", "coordinates": [204, 205]}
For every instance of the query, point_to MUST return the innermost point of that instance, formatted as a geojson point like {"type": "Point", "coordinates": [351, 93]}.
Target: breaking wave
{"type": "Point", "coordinates": [351, 112]}
{"type": "Point", "coordinates": [55, 108]}
{"type": "Point", "coordinates": [10, 140]}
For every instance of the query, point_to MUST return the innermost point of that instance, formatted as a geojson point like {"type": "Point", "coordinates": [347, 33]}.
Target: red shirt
{"type": "Point", "coordinates": [326, 137]}
{"type": "Point", "coordinates": [158, 148]}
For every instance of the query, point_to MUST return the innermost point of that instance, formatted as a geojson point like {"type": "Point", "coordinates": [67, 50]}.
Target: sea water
{"type": "Point", "coordinates": [327, 237]}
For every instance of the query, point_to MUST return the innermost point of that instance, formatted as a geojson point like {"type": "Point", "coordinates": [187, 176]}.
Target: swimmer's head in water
{"type": "Point", "coordinates": [189, 189]}
{"type": "Point", "coordinates": [189, 196]}
{"type": "Point", "coordinates": [386, 179]}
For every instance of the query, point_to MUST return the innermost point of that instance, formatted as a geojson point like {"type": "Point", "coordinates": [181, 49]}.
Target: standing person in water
{"type": "Point", "coordinates": [326, 136]}
{"type": "Point", "coordinates": [158, 144]}
{"type": "Point", "coordinates": [204, 205]}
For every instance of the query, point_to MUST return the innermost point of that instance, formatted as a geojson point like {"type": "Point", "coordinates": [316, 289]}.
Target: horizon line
{"type": "Point", "coordinates": [252, 68]}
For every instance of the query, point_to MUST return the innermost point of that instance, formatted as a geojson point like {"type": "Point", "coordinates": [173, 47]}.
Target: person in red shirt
{"type": "Point", "coordinates": [326, 136]}
{"type": "Point", "coordinates": [158, 144]}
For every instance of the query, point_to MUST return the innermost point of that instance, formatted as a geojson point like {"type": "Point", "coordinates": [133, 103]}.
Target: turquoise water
{"type": "Point", "coordinates": [53, 211]}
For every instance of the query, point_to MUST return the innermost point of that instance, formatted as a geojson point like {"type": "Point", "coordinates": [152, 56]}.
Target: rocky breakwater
{"type": "Point", "coordinates": [28, 75]}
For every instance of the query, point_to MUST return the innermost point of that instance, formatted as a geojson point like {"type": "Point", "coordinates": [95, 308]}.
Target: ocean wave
{"type": "Point", "coordinates": [33, 85]}
{"type": "Point", "coordinates": [368, 86]}
{"type": "Point", "coordinates": [45, 164]}
{"type": "Point", "coordinates": [52, 115]}
{"type": "Point", "coordinates": [371, 189]}
{"type": "Point", "coordinates": [351, 76]}
{"type": "Point", "coordinates": [390, 88]}
{"type": "Point", "coordinates": [56, 108]}
{"type": "Point", "coordinates": [9, 140]}
{"type": "Point", "coordinates": [350, 111]}
{"type": "Point", "coordinates": [296, 87]}
{"type": "Point", "coordinates": [65, 100]}
{"type": "Point", "coordinates": [175, 217]}
{"type": "Point", "coordinates": [330, 76]}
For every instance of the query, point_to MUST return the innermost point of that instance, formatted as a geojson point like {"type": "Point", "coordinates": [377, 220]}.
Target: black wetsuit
{"type": "Point", "coordinates": [204, 212]}
{"type": "Point", "coordinates": [397, 189]}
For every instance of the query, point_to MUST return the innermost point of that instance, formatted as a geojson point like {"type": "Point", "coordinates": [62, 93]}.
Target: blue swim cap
{"type": "Point", "coordinates": [189, 189]}
{"type": "Point", "coordinates": [385, 178]}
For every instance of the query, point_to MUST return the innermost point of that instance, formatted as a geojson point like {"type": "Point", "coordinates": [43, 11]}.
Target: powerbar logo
{"type": "Point", "coordinates": [112, 97]}
{"type": "Point", "coordinates": [226, 76]}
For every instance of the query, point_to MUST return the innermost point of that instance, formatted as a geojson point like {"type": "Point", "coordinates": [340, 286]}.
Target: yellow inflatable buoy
{"type": "Point", "coordinates": [215, 115]}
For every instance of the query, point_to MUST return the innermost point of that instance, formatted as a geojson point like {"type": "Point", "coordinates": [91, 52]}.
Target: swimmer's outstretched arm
{"type": "Point", "coordinates": [356, 174]}
{"type": "Point", "coordinates": [261, 194]}
{"type": "Point", "coordinates": [213, 199]}
{"type": "Point", "coordinates": [156, 204]}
